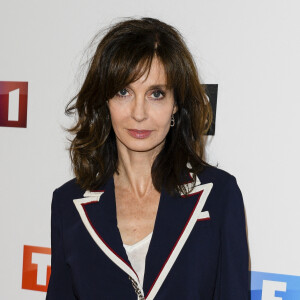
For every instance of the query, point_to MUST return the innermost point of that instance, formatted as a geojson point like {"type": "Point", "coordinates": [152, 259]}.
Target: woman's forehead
{"type": "Point", "coordinates": [153, 75]}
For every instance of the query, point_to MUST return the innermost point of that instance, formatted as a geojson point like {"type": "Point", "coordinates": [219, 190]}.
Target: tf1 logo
{"type": "Point", "coordinates": [36, 268]}
{"type": "Point", "coordinates": [270, 286]}
{"type": "Point", "coordinates": [13, 103]}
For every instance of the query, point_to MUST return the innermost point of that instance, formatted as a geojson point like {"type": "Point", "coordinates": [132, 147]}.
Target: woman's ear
{"type": "Point", "coordinates": [175, 108]}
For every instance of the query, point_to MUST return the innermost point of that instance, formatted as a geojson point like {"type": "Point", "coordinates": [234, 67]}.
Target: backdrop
{"type": "Point", "coordinates": [247, 50]}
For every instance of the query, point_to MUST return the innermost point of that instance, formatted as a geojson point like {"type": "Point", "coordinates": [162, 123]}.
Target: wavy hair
{"type": "Point", "coordinates": [122, 56]}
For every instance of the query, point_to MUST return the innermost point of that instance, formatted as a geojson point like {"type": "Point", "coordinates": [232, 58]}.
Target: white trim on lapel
{"type": "Point", "coordinates": [89, 197]}
{"type": "Point", "coordinates": [93, 194]}
{"type": "Point", "coordinates": [197, 214]}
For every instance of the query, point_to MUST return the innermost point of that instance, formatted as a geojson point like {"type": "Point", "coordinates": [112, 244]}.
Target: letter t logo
{"type": "Point", "coordinates": [270, 287]}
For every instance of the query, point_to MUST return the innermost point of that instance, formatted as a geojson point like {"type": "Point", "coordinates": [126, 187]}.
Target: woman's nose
{"type": "Point", "coordinates": [139, 109]}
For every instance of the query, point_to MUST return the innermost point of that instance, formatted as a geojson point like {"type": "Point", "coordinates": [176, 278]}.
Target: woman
{"type": "Point", "coordinates": [146, 217]}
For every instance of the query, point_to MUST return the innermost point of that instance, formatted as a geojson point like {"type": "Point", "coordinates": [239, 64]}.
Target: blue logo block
{"type": "Point", "coordinates": [269, 286]}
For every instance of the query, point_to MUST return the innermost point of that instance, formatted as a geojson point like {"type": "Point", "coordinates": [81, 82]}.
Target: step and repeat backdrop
{"type": "Point", "coordinates": [247, 52]}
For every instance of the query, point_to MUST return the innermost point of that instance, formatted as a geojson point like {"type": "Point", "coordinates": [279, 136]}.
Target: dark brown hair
{"type": "Point", "coordinates": [122, 56]}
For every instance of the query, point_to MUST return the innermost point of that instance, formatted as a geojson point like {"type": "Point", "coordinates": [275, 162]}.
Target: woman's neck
{"type": "Point", "coordinates": [135, 171]}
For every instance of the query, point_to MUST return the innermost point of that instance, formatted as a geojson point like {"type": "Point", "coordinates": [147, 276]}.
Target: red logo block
{"type": "Point", "coordinates": [36, 268]}
{"type": "Point", "coordinates": [13, 103]}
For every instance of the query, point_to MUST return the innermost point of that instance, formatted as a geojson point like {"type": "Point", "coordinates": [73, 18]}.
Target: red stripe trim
{"type": "Point", "coordinates": [200, 193]}
{"type": "Point", "coordinates": [83, 206]}
{"type": "Point", "coordinates": [204, 219]}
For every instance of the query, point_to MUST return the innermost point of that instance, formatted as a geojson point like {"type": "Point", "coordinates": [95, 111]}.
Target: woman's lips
{"type": "Point", "coordinates": [139, 134]}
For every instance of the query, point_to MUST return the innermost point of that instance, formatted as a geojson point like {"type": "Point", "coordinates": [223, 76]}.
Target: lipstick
{"type": "Point", "coordinates": [139, 134]}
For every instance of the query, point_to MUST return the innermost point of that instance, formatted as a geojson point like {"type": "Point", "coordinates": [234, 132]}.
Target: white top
{"type": "Point", "coordinates": [137, 255]}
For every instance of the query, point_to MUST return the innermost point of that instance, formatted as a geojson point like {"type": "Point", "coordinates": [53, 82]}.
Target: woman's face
{"type": "Point", "coordinates": [141, 112]}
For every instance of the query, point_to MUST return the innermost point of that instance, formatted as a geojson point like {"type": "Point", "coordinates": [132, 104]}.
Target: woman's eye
{"type": "Point", "coordinates": [158, 94]}
{"type": "Point", "coordinates": [122, 93]}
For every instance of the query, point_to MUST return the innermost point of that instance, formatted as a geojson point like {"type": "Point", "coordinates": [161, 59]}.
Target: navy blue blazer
{"type": "Point", "coordinates": [198, 250]}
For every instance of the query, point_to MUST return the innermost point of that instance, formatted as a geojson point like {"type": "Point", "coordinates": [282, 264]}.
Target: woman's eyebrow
{"type": "Point", "coordinates": [155, 86]}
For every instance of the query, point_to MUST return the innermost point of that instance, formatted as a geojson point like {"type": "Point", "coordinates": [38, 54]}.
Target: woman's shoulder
{"type": "Point", "coordinates": [223, 182]}
{"type": "Point", "coordinates": [215, 175]}
{"type": "Point", "coordinates": [70, 189]}
{"type": "Point", "coordinates": [225, 193]}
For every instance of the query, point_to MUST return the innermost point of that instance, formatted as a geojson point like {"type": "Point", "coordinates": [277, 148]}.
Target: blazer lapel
{"type": "Point", "coordinates": [175, 219]}
{"type": "Point", "coordinates": [174, 222]}
{"type": "Point", "coordinates": [98, 213]}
